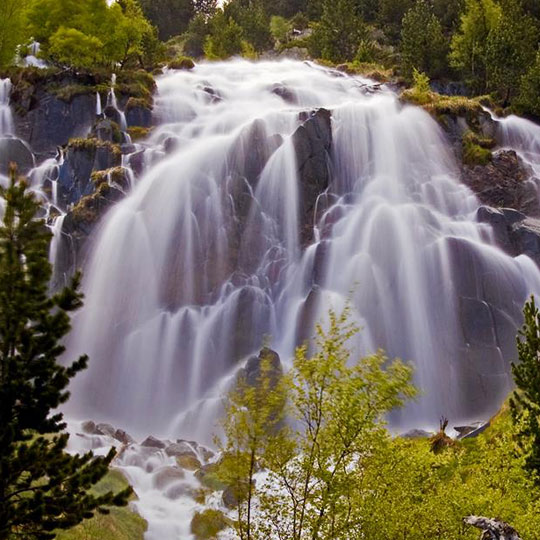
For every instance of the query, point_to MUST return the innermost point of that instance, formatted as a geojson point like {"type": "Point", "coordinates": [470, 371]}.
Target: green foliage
{"type": "Point", "coordinates": [42, 488]}
{"type": "Point", "coordinates": [253, 20]}
{"type": "Point", "coordinates": [195, 36]}
{"type": "Point", "coordinates": [225, 38]}
{"type": "Point", "coordinates": [510, 49]}
{"type": "Point", "coordinates": [525, 402]}
{"type": "Point", "coordinates": [12, 31]}
{"type": "Point", "coordinates": [469, 45]}
{"type": "Point", "coordinates": [529, 96]}
{"type": "Point", "coordinates": [423, 46]}
{"type": "Point", "coordinates": [280, 29]}
{"type": "Point", "coordinates": [316, 465]}
{"type": "Point", "coordinates": [337, 35]}
{"type": "Point", "coordinates": [121, 523]}
{"type": "Point", "coordinates": [171, 17]}
{"type": "Point", "coordinates": [390, 16]}
{"type": "Point", "coordinates": [207, 8]}
{"type": "Point", "coordinates": [476, 151]}
{"type": "Point", "coordinates": [91, 34]}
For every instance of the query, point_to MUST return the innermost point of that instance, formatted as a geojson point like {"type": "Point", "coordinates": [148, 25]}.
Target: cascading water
{"type": "Point", "coordinates": [209, 253]}
{"type": "Point", "coordinates": [6, 117]}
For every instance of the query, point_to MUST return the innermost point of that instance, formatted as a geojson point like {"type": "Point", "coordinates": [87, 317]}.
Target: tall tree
{"type": "Point", "coordinates": [42, 488]}
{"type": "Point", "coordinates": [12, 31]}
{"type": "Point", "coordinates": [525, 401]}
{"type": "Point", "coordinates": [390, 15]}
{"type": "Point", "coordinates": [171, 17]}
{"type": "Point", "coordinates": [337, 35]}
{"type": "Point", "coordinates": [510, 49]}
{"type": "Point", "coordinates": [469, 44]}
{"type": "Point", "coordinates": [423, 46]}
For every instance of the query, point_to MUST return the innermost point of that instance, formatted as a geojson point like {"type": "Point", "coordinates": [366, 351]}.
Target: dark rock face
{"type": "Point", "coordinates": [16, 151]}
{"type": "Point", "coordinates": [152, 442]}
{"type": "Point", "coordinates": [504, 183]}
{"type": "Point", "coordinates": [313, 143]}
{"type": "Point", "coordinates": [139, 116]}
{"type": "Point", "coordinates": [51, 122]}
{"type": "Point", "coordinates": [80, 161]}
{"type": "Point", "coordinates": [515, 232]}
{"type": "Point", "coordinates": [253, 370]}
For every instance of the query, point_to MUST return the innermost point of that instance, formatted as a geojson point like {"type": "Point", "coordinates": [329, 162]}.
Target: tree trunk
{"type": "Point", "coordinates": [494, 529]}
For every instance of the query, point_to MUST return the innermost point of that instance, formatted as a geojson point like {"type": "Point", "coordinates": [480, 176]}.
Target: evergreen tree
{"type": "Point", "coordinates": [510, 49]}
{"type": "Point", "coordinates": [468, 46]}
{"type": "Point", "coordinates": [251, 16]}
{"type": "Point", "coordinates": [529, 98]}
{"type": "Point", "coordinates": [390, 16]}
{"type": "Point", "coordinates": [423, 46]}
{"type": "Point", "coordinates": [225, 38]}
{"type": "Point", "coordinates": [337, 35]}
{"type": "Point", "coordinates": [171, 17]}
{"type": "Point", "coordinates": [525, 401]}
{"type": "Point", "coordinates": [42, 488]}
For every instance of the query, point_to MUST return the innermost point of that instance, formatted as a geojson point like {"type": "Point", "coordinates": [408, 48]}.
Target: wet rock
{"type": "Point", "coordinates": [138, 113]}
{"type": "Point", "coordinates": [514, 232]}
{"type": "Point", "coordinates": [180, 490]}
{"type": "Point", "coordinates": [477, 322]}
{"type": "Point", "coordinates": [180, 448]}
{"type": "Point", "coordinates": [252, 372]}
{"type": "Point", "coordinates": [51, 122]}
{"type": "Point", "coordinates": [472, 430]}
{"type": "Point", "coordinates": [167, 475]}
{"type": "Point", "coordinates": [312, 143]}
{"type": "Point", "coordinates": [82, 157]}
{"type": "Point", "coordinates": [232, 496]}
{"type": "Point", "coordinates": [207, 524]}
{"type": "Point", "coordinates": [16, 151]}
{"type": "Point", "coordinates": [152, 442]}
{"type": "Point", "coordinates": [123, 437]}
{"type": "Point", "coordinates": [189, 462]}
{"type": "Point", "coordinates": [417, 434]}
{"type": "Point", "coordinates": [286, 94]}
{"type": "Point", "coordinates": [89, 427]}
{"type": "Point", "coordinates": [113, 114]}
{"type": "Point", "coordinates": [208, 477]}
{"type": "Point", "coordinates": [504, 183]}
{"type": "Point", "coordinates": [105, 429]}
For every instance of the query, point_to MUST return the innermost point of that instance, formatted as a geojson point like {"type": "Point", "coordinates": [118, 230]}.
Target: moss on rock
{"type": "Point", "coordinates": [182, 62]}
{"type": "Point", "coordinates": [208, 524]}
{"type": "Point", "coordinates": [189, 462]}
{"type": "Point", "coordinates": [476, 149]}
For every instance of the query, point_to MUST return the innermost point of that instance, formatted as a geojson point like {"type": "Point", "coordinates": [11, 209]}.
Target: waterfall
{"type": "Point", "coordinates": [6, 117]}
{"type": "Point", "coordinates": [208, 253]}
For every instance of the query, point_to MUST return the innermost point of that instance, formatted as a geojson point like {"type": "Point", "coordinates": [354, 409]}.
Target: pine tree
{"type": "Point", "coordinates": [42, 488]}
{"type": "Point", "coordinates": [525, 402]}
{"type": "Point", "coordinates": [423, 46]}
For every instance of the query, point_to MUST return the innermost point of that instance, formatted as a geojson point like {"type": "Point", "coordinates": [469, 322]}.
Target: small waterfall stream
{"type": "Point", "coordinates": [207, 255]}
{"type": "Point", "coordinates": [6, 116]}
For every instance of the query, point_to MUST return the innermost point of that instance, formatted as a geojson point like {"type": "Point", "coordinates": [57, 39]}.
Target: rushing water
{"type": "Point", "coordinates": [205, 258]}
{"type": "Point", "coordinates": [6, 117]}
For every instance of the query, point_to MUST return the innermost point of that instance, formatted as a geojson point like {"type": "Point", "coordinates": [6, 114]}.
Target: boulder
{"type": "Point", "coordinates": [312, 143]}
{"type": "Point", "coordinates": [417, 434]}
{"type": "Point", "coordinates": [15, 151]}
{"type": "Point", "coordinates": [152, 442]}
{"type": "Point", "coordinates": [252, 372]}
{"type": "Point", "coordinates": [89, 427]}
{"type": "Point", "coordinates": [180, 448]}
{"type": "Point", "coordinates": [504, 183]}
{"type": "Point", "coordinates": [180, 490]}
{"type": "Point", "coordinates": [123, 437]}
{"type": "Point", "coordinates": [493, 529]}
{"type": "Point", "coordinates": [105, 429]}
{"type": "Point", "coordinates": [207, 524]}
{"type": "Point", "coordinates": [167, 475]}
{"type": "Point", "coordinates": [138, 114]}
{"type": "Point", "coordinates": [208, 477]}
{"type": "Point", "coordinates": [189, 462]}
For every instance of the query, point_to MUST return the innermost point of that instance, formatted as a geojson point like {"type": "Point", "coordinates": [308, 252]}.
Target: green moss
{"type": "Point", "coordinates": [70, 91]}
{"type": "Point", "coordinates": [137, 133]}
{"type": "Point", "coordinates": [136, 84]}
{"type": "Point", "coordinates": [136, 103]}
{"type": "Point", "coordinates": [207, 524]}
{"type": "Point", "coordinates": [370, 70]}
{"type": "Point", "coordinates": [191, 463]}
{"type": "Point", "coordinates": [116, 175]}
{"type": "Point", "coordinates": [182, 62]}
{"type": "Point", "coordinates": [476, 149]}
{"type": "Point", "coordinates": [208, 476]}
{"type": "Point", "coordinates": [91, 144]}
{"type": "Point", "coordinates": [119, 524]}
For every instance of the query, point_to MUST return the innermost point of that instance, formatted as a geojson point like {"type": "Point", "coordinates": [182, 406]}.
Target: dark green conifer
{"type": "Point", "coordinates": [526, 399]}
{"type": "Point", "coordinates": [42, 488]}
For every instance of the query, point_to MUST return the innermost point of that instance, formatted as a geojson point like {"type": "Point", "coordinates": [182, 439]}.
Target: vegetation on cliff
{"type": "Point", "coordinates": [337, 473]}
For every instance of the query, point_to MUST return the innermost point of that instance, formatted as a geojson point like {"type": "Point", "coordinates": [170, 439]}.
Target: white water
{"type": "Point", "coordinates": [197, 265]}
{"type": "Point", "coordinates": [6, 116]}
